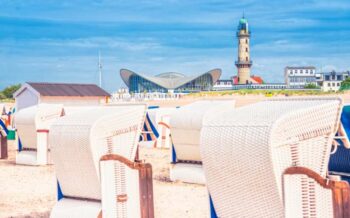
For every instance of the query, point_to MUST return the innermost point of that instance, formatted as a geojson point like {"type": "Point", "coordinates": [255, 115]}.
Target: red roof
{"type": "Point", "coordinates": [68, 89]}
{"type": "Point", "coordinates": [257, 79]}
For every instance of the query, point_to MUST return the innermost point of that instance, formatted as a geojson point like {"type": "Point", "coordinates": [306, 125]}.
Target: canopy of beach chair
{"type": "Point", "coordinates": [246, 151]}
{"type": "Point", "coordinates": [31, 123]}
{"type": "Point", "coordinates": [185, 127]}
{"type": "Point", "coordinates": [186, 124]}
{"type": "Point", "coordinates": [78, 142]}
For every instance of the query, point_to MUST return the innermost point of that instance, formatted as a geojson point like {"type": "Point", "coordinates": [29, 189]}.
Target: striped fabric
{"type": "Point", "coordinates": [149, 131]}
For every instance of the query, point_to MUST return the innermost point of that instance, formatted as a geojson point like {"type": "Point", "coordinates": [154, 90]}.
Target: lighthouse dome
{"type": "Point", "coordinates": [243, 25]}
{"type": "Point", "coordinates": [243, 21]}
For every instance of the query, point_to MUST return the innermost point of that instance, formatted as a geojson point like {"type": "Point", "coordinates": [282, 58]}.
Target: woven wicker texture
{"type": "Point", "coordinates": [245, 151]}
{"type": "Point", "coordinates": [80, 139]}
{"type": "Point", "coordinates": [186, 123]}
{"type": "Point", "coordinates": [77, 109]}
{"type": "Point", "coordinates": [304, 197]}
{"type": "Point", "coordinates": [117, 179]}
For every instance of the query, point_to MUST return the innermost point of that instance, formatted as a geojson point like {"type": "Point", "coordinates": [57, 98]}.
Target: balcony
{"type": "Point", "coordinates": [239, 63]}
{"type": "Point", "coordinates": [240, 34]}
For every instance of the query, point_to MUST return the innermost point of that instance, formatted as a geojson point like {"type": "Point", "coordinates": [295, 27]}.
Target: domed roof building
{"type": "Point", "coordinates": [169, 82]}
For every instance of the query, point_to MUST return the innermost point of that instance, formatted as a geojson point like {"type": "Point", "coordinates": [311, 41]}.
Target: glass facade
{"type": "Point", "coordinates": [138, 84]}
{"type": "Point", "coordinates": [202, 83]}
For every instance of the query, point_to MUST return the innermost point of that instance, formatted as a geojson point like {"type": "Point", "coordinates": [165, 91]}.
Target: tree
{"type": "Point", "coordinates": [310, 86]}
{"type": "Point", "coordinates": [2, 96]}
{"type": "Point", "coordinates": [345, 85]}
{"type": "Point", "coordinates": [8, 91]}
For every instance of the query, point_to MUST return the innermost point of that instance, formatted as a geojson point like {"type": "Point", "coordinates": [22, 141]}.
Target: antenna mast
{"type": "Point", "coordinates": [100, 67]}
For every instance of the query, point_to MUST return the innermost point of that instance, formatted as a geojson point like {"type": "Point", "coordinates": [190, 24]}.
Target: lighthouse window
{"type": "Point", "coordinates": [246, 49]}
{"type": "Point", "coordinates": [246, 58]}
{"type": "Point", "coordinates": [246, 40]}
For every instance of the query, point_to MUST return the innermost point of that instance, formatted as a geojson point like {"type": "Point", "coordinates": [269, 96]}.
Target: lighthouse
{"type": "Point", "coordinates": [244, 62]}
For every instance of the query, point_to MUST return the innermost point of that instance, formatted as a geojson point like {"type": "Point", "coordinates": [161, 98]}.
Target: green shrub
{"type": "Point", "coordinates": [8, 91]}
{"type": "Point", "coordinates": [311, 86]}
{"type": "Point", "coordinates": [345, 85]}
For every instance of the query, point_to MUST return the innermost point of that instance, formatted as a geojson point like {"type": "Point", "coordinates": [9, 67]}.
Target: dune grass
{"type": "Point", "coordinates": [7, 100]}
{"type": "Point", "coordinates": [267, 93]}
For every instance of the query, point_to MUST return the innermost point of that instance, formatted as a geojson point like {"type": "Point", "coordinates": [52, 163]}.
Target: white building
{"type": "Point", "coordinates": [298, 77]}
{"type": "Point", "coordinates": [223, 84]}
{"type": "Point", "coordinates": [331, 81]}
{"type": "Point", "coordinates": [59, 93]}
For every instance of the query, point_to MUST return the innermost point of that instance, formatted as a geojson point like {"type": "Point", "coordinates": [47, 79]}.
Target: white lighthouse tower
{"type": "Point", "coordinates": [243, 63]}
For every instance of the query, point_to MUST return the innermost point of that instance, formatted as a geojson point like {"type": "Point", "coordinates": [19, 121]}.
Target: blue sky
{"type": "Point", "coordinates": [58, 41]}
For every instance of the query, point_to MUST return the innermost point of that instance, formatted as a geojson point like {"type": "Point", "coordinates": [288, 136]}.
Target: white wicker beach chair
{"type": "Point", "coordinates": [185, 126]}
{"type": "Point", "coordinates": [2, 109]}
{"type": "Point", "coordinates": [33, 125]}
{"type": "Point", "coordinates": [155, 131]}
{"type": "Point", "coordinates": [163, 120]}
{"type": "Point", "coordinates": [270, 159]}
{"type": "Point", "coordinates": [149, 133]}
{"type": "Point", "coordinates": [3, 141]}
{"type": "Point", "coordinates": [94, 152]}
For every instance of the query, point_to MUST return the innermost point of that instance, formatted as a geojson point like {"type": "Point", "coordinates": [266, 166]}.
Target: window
{"type": "Point", "coordinates": [327, 78]}
{"type": "Point", "coordinates": [333, 84]}
{"type": "Point", "coordinates": [246, 41]}
{"type": "Point", "coordinates": [246, 49]}
{"type": "Point", "coordinates": [338, 84]}
{"type": "Point", "coordinates": [329, 84]}
{"type": "Point", "coordinates": [338, 77]}
{"type": "Point", "coordinates": [301, 71]}
{"type": "Point", "coordinates": [246, 58]}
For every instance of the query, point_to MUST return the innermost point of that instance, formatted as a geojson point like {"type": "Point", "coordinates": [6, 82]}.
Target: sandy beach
{"type": "Point", "coordinates": [29, 191]}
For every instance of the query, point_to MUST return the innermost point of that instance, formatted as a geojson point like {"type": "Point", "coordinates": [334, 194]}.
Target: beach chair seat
{"type": "Point", "coordinates": [247, 154]}
{"type": "Point", "coordinates": [185, 127]}
{"type": "Point", "coordinates": [94, 156]}
{"type": "Point", "coordinates": [67, 207]}
{"type": "Point", "coordinates": [33, 127]}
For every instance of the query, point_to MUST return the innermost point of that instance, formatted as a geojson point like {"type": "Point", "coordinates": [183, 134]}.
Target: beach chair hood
{"type": "Point", "coordinates": [245, 151]}
{"type": "Point", "coordinates": [36, 118]}
{"type": "Point", "coordinates": [186, 124]}
{"type": "Point", "coordinates": [79, 140]}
